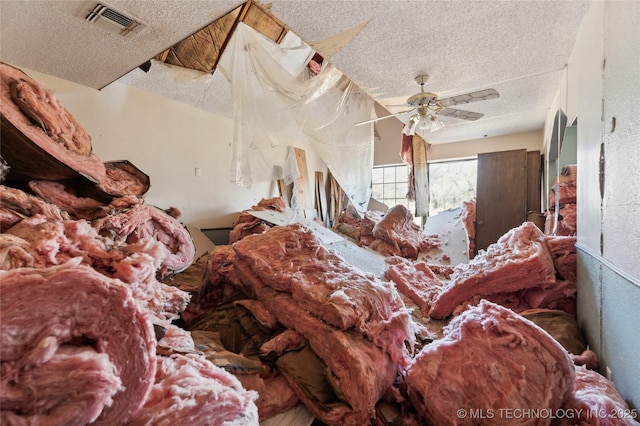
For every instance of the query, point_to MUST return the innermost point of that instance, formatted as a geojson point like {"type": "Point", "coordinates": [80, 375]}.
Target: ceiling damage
{"type": "Point", "coordinates": [520, 49]}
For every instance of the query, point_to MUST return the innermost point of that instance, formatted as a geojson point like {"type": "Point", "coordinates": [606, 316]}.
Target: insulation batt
{"type": "Point", "coordinates": [287, 340]}
{"type": "Point", "coordinates": [563, 193]}
{"type": "Point", "coordinates": [563, 190]}
{"type": "Point", "coordinates": [290, 259]}
{"type": "Point", "coordinates": [8, 218]}
{"type": "Point", "coordinates": [567, 221]}
{"type": "Point", "coordinates": [398, 229]}
{"type": "Point", "coordinates": [564, 255]}
{"type": "Point", "coordinates": [247, 224]}
{"type": "Point", "coordinates": [360, 371]}
{"type": "Point", "coordinates": [416, 280]}
{"type": "Point", "coordinates": [361, 229]}
{"type": "Point", "coordinates": [490, 360]}
{"type": "Point", "coordinates": [519, 260]}
{"type": "Point", "coordinates": [220, 283]}
{"type": "Point", "coordinates": [560, 295]}
{"type": "Point", "coordinates": [64, 195]}
{"type": "Point", "coordinates": [597, 402]}
{"type": "Point", "coordinates": [86, 354]}
{"type": "Point", "coordinates": [15, 253]}
{"type": "Point", "coordinates": [53, 242]}
{"type": "Point", "coordinates": [28, 205]}
{"type": "Point", "coordinates": [42, 106]}
{"type": "Point", "coordinates": [391, 234]}
{"type": "Point", "coordinates": [191, 390]}
{"type": "Point", "coordinates": [357, 325]}
{"type": "Point", "coordinates": [41, 117]}
{"type": "Point", "coordinates": [143, 221]}
{"type": "Point", "coordinates": [122, 179]}
{"type": "Point", "coordinates": [56, 121]}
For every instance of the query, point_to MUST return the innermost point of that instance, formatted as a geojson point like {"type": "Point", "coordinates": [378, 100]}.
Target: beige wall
{"type": "Point", "coordinates": [168, 140]}
{"type": "Point", "coordinates": [531, 141]}
{"type": "Point", "coordinates": [387, 149]}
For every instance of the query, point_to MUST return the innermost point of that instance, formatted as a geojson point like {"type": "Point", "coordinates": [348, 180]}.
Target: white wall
{"type": "Point", "coordinates": [167, 140]}
{"type": "Point", "coordinates": [603, 83]}
{"type": "Point", "coordinates": [621, 93]}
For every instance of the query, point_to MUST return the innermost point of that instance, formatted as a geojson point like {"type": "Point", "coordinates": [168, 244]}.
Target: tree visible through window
{"type": "Point", "coordinates": [451, 183]}
{"type": "Point", "coordinates": [390, 184]}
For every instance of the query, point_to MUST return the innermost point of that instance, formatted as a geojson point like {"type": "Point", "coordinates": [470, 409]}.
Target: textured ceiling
{"type": "Point", "coordinates": [518, 48]}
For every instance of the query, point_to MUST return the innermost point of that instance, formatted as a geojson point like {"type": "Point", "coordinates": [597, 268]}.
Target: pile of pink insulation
{"type": "Point", "coordinates": [82, 259]}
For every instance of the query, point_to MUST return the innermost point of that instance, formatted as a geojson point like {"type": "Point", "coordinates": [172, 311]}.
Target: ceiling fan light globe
{"type": "Point", "coordinates": [410, 128]}
{"type": "Point", "coordinates": [425, 124]}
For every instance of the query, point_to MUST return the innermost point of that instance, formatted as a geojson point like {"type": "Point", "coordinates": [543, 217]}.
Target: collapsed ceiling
{"type": "Point", "coordinates": [517, 48]}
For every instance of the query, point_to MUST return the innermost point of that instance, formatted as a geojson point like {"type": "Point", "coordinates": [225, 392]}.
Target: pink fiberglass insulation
{"type": "Point", "coordinates": [122, 179]}
{"type": "Point", "coordinates": [36, 113]}
{"type": "Point", "coordinates": [76, 348]}
{"type": "Point", "coordinates": [360, 372]}
{"type": "Point", "coordinates": [16, 253]}
{"type": "Point", "coordinates": [65, 195]}
{"type": "Point", "coordinates": [360, 333]}
{"type": "Point", "coordinates": [416, 280]}
{"type": "Point", "coordinates": [397, 228]}
{"type": "Point", "coordinates": [54, 242]}
{"type": "Point", "coordinates": [519, 260]}
{"type": "Point", "coordinates": [564, 254]}
{"type": "Point", "coordinates": [191, 390]}
{"type": "Point", "coordinates": [290, 259]}
{"type": "Point", "coordinates": [490, 361]}
{"type": "Point", "coordinates": [148, 222]}
{"type": "Point", "coordinates": [565, 225]}
{"type": "Point", "coordinates": [597, 402]}
{"type": "Point", "coordinates": [28, 205]}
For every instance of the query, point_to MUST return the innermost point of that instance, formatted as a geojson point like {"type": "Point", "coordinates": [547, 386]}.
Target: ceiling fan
{"type": "Point", "coordinates": [427, 106]}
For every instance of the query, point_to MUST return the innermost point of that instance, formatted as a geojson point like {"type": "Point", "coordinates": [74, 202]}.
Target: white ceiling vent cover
{"type": "Point", "coordinates": [110, 19]}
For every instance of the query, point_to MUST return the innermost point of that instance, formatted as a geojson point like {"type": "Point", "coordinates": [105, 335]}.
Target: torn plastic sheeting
{"type": "Point", "coordinates": [347, 149]}
{"type": "Point", "coordinates": [269, 99]}
{"type": "Point", "coordinates": [261, 104]}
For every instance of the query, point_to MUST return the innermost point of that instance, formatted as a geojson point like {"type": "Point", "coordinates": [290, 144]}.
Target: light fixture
{"type": "Point", "coordinates": [434, 124]}
{"type": "Point", "coordinates": [422, 121]}
{"type": "Point", "coordinates": [410, 128]}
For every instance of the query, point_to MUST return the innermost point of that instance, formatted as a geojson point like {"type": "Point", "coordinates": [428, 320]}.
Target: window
{"type": "Point", "coordinates": [390, 184]}
{"type": "Point", "coordinates": [451, 183]}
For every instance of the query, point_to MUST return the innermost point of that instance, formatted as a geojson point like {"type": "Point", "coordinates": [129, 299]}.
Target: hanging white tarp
{"type": "Point", "coordinates": [274, 97]}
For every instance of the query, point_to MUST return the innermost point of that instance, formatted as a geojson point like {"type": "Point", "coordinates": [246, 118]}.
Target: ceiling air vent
{"type": "Point", "coordinates": [110, 19]}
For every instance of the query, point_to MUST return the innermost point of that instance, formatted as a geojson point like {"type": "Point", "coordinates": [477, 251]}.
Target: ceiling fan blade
{"type": "Point", "coordinates": [481, 95]}
{"type": "Point", "coordinates": [373, 120]}
{"type": "Point", "coordinates": [459, 113]}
